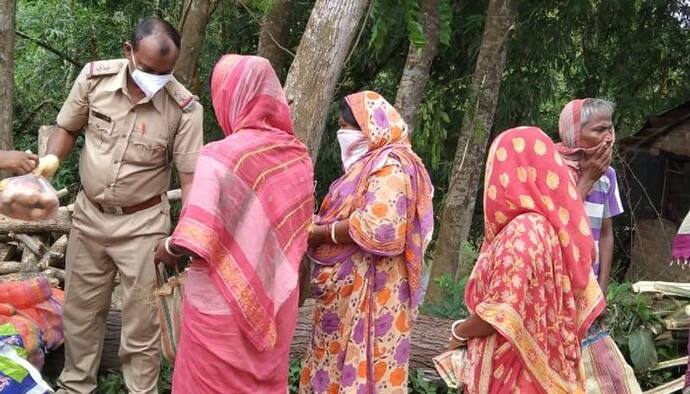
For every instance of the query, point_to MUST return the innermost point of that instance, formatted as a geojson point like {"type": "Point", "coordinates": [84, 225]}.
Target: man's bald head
{"type": "Point", "coordinates": [167, 39]}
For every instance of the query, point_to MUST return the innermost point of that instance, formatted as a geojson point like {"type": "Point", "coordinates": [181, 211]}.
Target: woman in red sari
{"type": "Point", "coordinates": [245, 225]}
{"type": "Point", "coordinates": [532, 295]}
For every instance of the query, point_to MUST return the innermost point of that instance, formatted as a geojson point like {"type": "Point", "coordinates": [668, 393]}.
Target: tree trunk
{"type": "Point", "coordinates": [275, 33]}
{"type": "Point", "coordinates": [316, 69]}
{"type": "Point", "coordinates": [7, 15]}
{"type": "Point", "coordinates": [417, 66]}
{"type": "Point", "coordinates": [458, 206]}
{"type": "Point", "coordinates": [195, 16]}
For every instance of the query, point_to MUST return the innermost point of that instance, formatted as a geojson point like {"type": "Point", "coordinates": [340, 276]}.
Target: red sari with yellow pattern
{"type": "Point", "coordinates": [533, 281]}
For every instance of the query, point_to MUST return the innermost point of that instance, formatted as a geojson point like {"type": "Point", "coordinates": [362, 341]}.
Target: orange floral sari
{"type": "Point", "coordinates": [533, 281]}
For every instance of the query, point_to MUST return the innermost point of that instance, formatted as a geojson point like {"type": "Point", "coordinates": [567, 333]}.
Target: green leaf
{"type": "Point", "coordinates": [642, 351]}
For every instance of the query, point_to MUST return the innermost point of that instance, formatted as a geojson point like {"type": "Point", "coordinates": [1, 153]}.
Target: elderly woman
{"type": "Point", "coordinates": [368, 244]}
{"type": "Point", "coordinates": [245, 226]}
{"type": "Point", "coordinates": [587, 137]}
{"type": "Point", "coordinates": [532, 295]}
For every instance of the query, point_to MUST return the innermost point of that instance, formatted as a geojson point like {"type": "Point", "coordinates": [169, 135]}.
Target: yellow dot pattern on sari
{"type": "Point", "coordinates": [501, 154]}
{"type": "Point", "coordinates": [539, 148]}
{"type": "Point", "coordinates": [584, 227]}
{"type": "Point", "coordinates": [522, 174]}
{"type": "Point", "coordinates": [526, 202]}
{"type": "Point", "coordinates": [564, 215]}
{"type": "Point", "coordinates": [504, 179]}
{"type": "Point", "coordinates": [552, 180]}
{"type": "Point", "coordinates": [500, 217]}
{"type": "Point", "coordinates": [519, 144]}
{"type": "Point", "coordinates": [491, 192]}
{"type": "Point", "coordinates": [532, 172]}
{"type": "Point", "coordinates": [548, 203]}
{"type": "Point", "coordinates": [564, 237]}
{"type": "Point", "coordinates": [558, 158]}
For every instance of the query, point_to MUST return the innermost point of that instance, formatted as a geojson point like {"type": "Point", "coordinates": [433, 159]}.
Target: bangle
{"type": "Point", "coordinates": [333, 239]}
{"type": "Point", "coordinates": [169, 251]}
{"type": "Point", "coordinates": [452, 331]}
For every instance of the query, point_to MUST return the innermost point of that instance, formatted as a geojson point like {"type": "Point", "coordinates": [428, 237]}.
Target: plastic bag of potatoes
{"type": "Point", "coordinates": [28, 197]}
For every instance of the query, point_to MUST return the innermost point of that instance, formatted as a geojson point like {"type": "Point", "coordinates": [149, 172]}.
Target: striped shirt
{"type": "Point", "coordinates": [603, 202]}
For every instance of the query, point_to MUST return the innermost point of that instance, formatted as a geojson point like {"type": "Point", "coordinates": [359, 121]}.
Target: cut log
{"type": "Point", "coordinates": [10, 267]}
{"type": "Point", "coordinates": [61, 224]}
{"type": "Point", "coordinates": [55, 256]}
{"type": "Point", "coordinates": [429, 338]}
{"type": "Point", "coordinates": [29, 258]}
{"type": "Point", "coordinates": [54, 273]}
{"type": "Point", "coordinates": [33, 244]}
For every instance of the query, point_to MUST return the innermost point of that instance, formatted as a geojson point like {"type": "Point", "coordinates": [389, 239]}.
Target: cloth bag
{"type": "Point", "coordinates": [168, 295]}
{"type": "Point", "coordinates": [450, 367]}
{"type": "Point", "coordinates": [606, 370]}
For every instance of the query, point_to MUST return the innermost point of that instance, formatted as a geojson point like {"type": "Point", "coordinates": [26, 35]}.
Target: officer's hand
{"type": "Point", "coordinates": [162, 256]}
{"type": "Point", "coordinates": [17, 162]}
{"type": "Point", "coordinates": [47, 166]}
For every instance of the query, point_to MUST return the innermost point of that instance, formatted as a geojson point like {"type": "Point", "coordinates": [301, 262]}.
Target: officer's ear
{"type": "Point", "coordinates": [127, 49]}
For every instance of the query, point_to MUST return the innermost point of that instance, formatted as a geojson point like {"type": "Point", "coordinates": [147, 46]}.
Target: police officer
{"type": "Point", "coordinates": [137, 121]}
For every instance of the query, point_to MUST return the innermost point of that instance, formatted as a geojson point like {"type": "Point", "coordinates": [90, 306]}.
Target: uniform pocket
{"type": "Point", "coordinates": [100, 130]}
{"type": "Point", "coordinates": [146, 150]}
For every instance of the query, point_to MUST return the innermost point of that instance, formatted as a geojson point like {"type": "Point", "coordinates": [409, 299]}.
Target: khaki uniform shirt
{"type": "Point", "coordinates": [129, 147]}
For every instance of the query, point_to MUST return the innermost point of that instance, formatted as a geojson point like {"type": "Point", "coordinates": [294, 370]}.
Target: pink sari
{"type": "Point", "coordinates": [246, 219]}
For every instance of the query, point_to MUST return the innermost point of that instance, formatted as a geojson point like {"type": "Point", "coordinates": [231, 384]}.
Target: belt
{"type": "Point", "coordinates": [151, 202]}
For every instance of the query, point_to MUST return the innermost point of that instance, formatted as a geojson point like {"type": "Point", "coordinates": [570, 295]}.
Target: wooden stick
{"type": "Point", "coordinates": [668, 388]}
{"type": "Point", "coordinates": [61, 224]}
{"type": "Point", "coordinates": [10, 267]}
{"type": "Point", "coordinates": [31, 242]}
{"type": "Point", "coordinates": [56, 254]}
{"type": "Point", "coordinates": [54, 273]}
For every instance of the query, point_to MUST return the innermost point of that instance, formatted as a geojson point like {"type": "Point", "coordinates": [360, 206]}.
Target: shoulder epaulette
{"type": "Point", "coordinates": [183, 97]}
{"type": "Point", "coordinates": [105, 67]}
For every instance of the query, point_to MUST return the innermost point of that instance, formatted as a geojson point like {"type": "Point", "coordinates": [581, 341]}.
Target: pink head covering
{"type": "Point", "coordinates": [570, 131]}
{"type": "Point", "coordinates": [251, 203]}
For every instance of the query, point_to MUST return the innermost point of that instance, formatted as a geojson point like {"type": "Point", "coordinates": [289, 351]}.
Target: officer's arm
{"type": "Point", "coordinates": [188, 141]}
{"type": "Point", "coordinates": [185, 184]}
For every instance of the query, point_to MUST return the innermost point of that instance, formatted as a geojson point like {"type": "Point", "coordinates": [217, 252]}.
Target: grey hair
{"type": "Point", "coordinates": [595, 106]}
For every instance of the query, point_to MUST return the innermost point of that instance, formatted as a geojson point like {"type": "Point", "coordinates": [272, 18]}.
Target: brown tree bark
{"type": "Point", "coordinates": [7, 24]}
{"type": "Point", "coordinates": [417, 66]}
{"type": "Point", "coordinates": [316, 69]}
{"type": "Point", "coordinates": [468, 165]}
{"type": "Point", "coordinates": [195, 16]}
{"type": "Point", "coordinates": [275, 33]}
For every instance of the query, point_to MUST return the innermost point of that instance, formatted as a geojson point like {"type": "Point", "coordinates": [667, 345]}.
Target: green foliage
{"type": "Point", "coordinates": [419, 384]}
{"type": "Point", "coordinates": [453, 296]}
{"type": "Point", "coordinates": [642, 351]}
{"type": "Point", "coordinates": [293, 375]}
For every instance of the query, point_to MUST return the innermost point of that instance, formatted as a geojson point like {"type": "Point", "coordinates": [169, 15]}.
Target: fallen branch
{"type": "Point", "coordinates": [668, 388]}
{"type": "Point", "coordinates": [671, 363]}
{"type": "Point", "coordinates": [54, 273]}
{"type": "Point", "coordinates": [61, 224]}
{"type": "Point", "coordinates": [55, 254]}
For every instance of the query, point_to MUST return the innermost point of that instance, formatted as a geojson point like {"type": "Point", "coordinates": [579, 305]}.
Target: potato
{"type": "Point", "coordinates": [37, 214]}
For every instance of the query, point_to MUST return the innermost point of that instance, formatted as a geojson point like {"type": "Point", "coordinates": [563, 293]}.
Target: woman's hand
{"type": "Point", "coordinates": [456, 340]}
{"type": "Point", "coordinates": [17, 162]}
{"type": "Point", "coordinates": [455, 344]}
{"type": "Point", "coordinates": [161, 255]}
{"type": "Point", "coordinates": [593, 165]}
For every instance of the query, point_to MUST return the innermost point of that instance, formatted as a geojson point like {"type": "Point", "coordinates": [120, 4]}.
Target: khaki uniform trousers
{"type": "Point", "coordinates": [99, 246]}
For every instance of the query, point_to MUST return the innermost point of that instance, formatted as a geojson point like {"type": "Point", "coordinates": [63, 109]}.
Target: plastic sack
{"type": "Point", "coordinates": [28, 197]}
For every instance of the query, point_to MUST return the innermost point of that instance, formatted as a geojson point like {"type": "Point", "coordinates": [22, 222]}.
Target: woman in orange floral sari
{"type": "Point", "coordinates": [532, 295]}
{"type": "Point", "coordinates": [367, 244]}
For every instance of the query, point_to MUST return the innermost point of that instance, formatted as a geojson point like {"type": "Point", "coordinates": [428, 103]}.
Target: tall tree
{"type": "Point", "coordinates": [459, 202]}
{"type": "Point", "coordinates": [316, 69]}
{"type": "Point", "coordinates": [418, 64]}
{"type": "Point", "coordinates": [275, 33]}
{"type": "Point", "coordinates": [7, 15]}
{"type": "Point", "coordinates": [195, 16]}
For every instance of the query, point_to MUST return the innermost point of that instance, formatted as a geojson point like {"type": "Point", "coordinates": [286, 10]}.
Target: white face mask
{"type": "Point", "coordinates": [148, 83]}
{"type": "Point", "coordinates": [353, 146]}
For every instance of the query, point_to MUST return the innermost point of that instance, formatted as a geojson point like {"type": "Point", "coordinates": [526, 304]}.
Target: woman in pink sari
{"type": "Point", "coordinates": [245, 226]}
